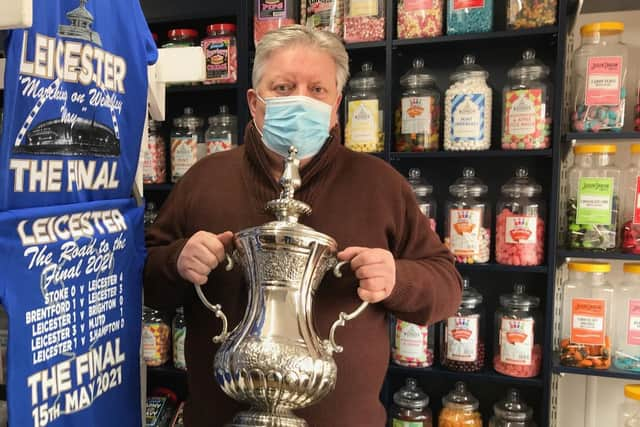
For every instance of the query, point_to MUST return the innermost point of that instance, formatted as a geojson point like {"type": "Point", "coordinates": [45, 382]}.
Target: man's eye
{"type": "Point", "coordinates": [282, 88]}
{"type": "Point", "coordinates": [318, 90]}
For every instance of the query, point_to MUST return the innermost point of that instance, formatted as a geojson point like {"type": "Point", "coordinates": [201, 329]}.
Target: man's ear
{"type": "Point", "coordinates": [252, 99]}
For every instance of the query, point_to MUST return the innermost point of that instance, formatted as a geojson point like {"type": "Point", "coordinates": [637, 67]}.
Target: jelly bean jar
{"type": "Point", "coordinates": [626, 341]}
{"type": "Point", "coordinates": [469, 16]}
{"type": "Point", "coordinates": [460, 408]}
{"type": "Point", "coordinates": [413, 345]}
{"type": "Point", "coordinates": [468, 219]}
{"type": "Point", "coordinates": [156, 337]}
{"type": "Point", "coordinates": [599, 76]}
{"type": "Point", "coordinates": [586, 322]}
{"type": "Point", "coordinates": [512, 412]}
{"type": "Point", "coordinates": [364, 20]}
{"type": "Point", "coordinates": [410, 406]}
{"type": "Point", "coordinates": [593, 202]}
{"type": "Point", "coordinates": [467, 106]}
{"type": "Point", "coordinates": [418, 19]}
{"type": "Point", "coordinates": [517, 350]}
{"type": "Point", "coordinates": [631, 203]}
{"type": "Point", "coordinates": [526, 107]}
{"type": "Point", "coordinates": [423, 191]}
{"type": "Point", "coordinates": [364, 128]}
{"type": "Point", "coordinates": [418, 115]}
{"type": "Point", "coordinates": [462, 347]}
{"type": "Point", "coordinates": [520, 222]}
{"type": "Point", "coordinates": [531, 13]}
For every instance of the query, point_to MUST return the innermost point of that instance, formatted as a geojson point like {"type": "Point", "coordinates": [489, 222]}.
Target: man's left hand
{"type": "Point", "coordinates": [374, 268]}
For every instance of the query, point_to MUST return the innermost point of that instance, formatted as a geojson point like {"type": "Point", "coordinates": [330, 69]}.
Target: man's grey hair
{"type": "Point", "coordinates": [299, 35]}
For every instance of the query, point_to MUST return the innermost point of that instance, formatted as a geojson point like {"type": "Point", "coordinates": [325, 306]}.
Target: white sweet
{"type": "Point", "coordinates": [468, 136]}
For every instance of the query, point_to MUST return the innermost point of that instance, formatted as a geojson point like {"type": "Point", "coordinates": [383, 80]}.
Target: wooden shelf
{"type": "Point", "coordinates": [364, 45]}
{"type": "Point", "coordinates": [564, 253]}
{"type": "Point", "coordinates": [601, 136]}
{"type": "Point", "coordinates": [494, 267]}
{"type": "Point", "coordinates": [494, 35]}
{"type": "Point", "coordinates": [201, 88]}
{"type": "Point", "coordinates": [612, 372]}
{"type": "Point", "coordinates": [158, 187]}
{"type": "Point", "coordinates": [472, 154]}
{"type": "Point", "coordinates": [488, 375]}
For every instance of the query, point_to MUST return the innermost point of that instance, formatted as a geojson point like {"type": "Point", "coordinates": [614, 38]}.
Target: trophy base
{"type": "Point", "coordinates": [255, 418]}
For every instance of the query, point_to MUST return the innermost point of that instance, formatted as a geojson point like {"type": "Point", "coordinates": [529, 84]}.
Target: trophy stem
{"type": "Point", "coordinates": [257, 418]}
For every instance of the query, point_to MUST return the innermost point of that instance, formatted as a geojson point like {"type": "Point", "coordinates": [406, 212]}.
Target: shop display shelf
{"type": "Point", "coordinates": [158, 187]}
{"type": "Point", "coordinates": [167, 370]}
{"type": "Point", "coordinates": [472, 154]}
{"type": "Point", "coordinates": [601, 136]}
{"type": "Point", "coordinates": [201, 88]}
{"type": "Point", "coordinates": [495, 267]}
{"type": "Point", "coordinates": [609, 373]}
{"type": "Point", "coordinates": [486, 375]}
{"type": "Point", "coordinates": [495, 35]}
{"type": "Point", "coordinates": [564, 253]}
{"type": "Point", "coordinates": [365, 45]}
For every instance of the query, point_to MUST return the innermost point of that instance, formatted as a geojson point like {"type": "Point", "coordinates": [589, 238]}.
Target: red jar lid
{"type": "Point", "coordinates": [155, 36]}
{"type": "Point", "coordinates": [218, 28]}
{"type": "Point", "coordinates": [182, 33]}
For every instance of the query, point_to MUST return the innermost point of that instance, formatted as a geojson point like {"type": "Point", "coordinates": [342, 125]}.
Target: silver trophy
{"type": "Point", "coordinates": [274, 360]}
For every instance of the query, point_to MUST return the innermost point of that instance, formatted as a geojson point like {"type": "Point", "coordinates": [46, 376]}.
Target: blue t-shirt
{"type": "Point", "coordinates": [74, 103]}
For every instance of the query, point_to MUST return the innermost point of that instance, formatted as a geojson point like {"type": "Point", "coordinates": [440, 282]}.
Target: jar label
{"type": "Point", "coordinates": [604, 79]}
{"type": "Point", "coordinates": [272, 9]}
{"type": "Point", "coordinates": [633, 333]}
{"type": "Point", "coordinates": [415, 5]}
{"type": "Point", "coordinates": [464, 231]}
{"type": "Point", "coordinates": [216, 145]}
{"type": "Point", "coordinates": [636, 203]}
{"type": "Point", "coordinates": [587, 321]}
{"type": "Point", "coordinates": [524, 113]}
{"type": "Point", "coordinates": [399, 423]}
{"type": "Point", "coordinates": [467, 117]}
{"type": "Point", "coordinates": [179, 360]}
{"type": "Point", "coordinates": [467, 4]}
{"type": "Point", "coordinates": [184, 154]}
{"type": "Point", "coordinates": [595, 201]}
{"type": "Point", "coordinates": [516, 341]}
{"type": "Point", "coordinates": [411, 342]}
{"type": "Point", "coordinates": [462, 338]}
{"type": "Point", "coordinates": [363, 8]}
{"type": "Point", "coordinates": [363, 125]}
{"type": "Point", "coordinates": [416, 115]}
{"type": "Point", "coordinates": [321, 14]}
{"type": "Point", "coordinates": [153, 165]}
{"type": "Point", "coordinates": [521, 230]}
{"type": "Point", "coordinates": [149, 351]}
{"type": "Point", "coordinates": [216, 52]}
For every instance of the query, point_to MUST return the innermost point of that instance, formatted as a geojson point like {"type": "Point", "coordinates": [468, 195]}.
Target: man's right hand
{"type": "Point", "coordinates": [202, 253]}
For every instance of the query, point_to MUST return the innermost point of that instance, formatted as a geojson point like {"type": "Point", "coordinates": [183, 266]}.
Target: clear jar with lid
{"type": "Point", "coordinates": [185, 137]}
{"type": "Point", "coordinates": [520, 222]}
{"type": "Point", "coordinates": [462, 347]}
{"type": "Point", "coordinates": [412, 345]}
{"type": "Point", "coordinates": [512, 412]}
{"type": "Point", "coordinates": [326, 15]}
{"type": "Point", "coordinates": [469, 16]}
{"type": "Point", "coordinates": [626, 341]}
{"type": "Point", "coordinates": [468, 219]}
{"type": "Point", "coordinates": [423, 191]}
{"type": "Point", "coordinates": [526, 105]}
{"type": "Point", "coordinates": [364, 105]}
{"type": "Point", "coordinates": [221, 54]}
{"type": "Point", "coordinates": [179, 333]}
{"type": "Point", "coordinates": [272, 14]}
{"type": "Point", "coordinates": [181, 37]}
{"type": "Point", "coordinates": [629, 411]}
{"type": "Point", "coordinates": [156, 337]}
{"type": "Point", "coordinates": [467, 107]}
{"type": "Point", "coordinates": [154, 165]}
{"type": "Point", "coordinates": [410, 407]}
{"type": "Point", "coordinates": [593, 202]}
{"type": "Point", "coordinates": [630, 195]}
{"type": "Point", "coordinates": [420, 19]}
{"type": "Point", "coordinates": [222, 133]}
{"type": "Point", "coordinates": [531, 13]}
{"type": "Point", "coordinates": [599, 78]}
{"type": "Point", "coordinates": [586, 323]}
{"type": "Point", "coordinates": [460, 408]}
{"type": "Point", "coordinates": [418, 115]}
{"type": "Point", "coordinates": [364, 20]}
{"type": "Point", "coordinates": [517, 350]}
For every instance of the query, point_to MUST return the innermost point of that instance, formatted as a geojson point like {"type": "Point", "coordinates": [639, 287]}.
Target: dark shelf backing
{"type": "Point", "coordinates": [615, 255]}
{"type": "Point", "coordinates": [602, 136]}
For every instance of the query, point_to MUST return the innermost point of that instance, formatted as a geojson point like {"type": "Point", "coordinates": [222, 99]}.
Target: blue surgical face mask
{"type": "Point", "coordinates": [295, 120]}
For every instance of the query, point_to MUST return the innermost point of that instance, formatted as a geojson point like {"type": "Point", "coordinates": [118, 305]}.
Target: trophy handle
{"type": "Point", "coordinates": [217, 308]}
{"type": "Point", "coordinates": [343, 317]}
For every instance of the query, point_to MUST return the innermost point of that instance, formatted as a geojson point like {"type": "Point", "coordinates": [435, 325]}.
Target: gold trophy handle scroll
{"type": "Point", "coordinates": [343, 317]}
{"type": "Point", "coordinates": [217, 309]}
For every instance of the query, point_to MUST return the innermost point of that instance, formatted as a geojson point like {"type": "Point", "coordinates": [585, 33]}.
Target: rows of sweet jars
{"type": "Point", "coordinates": [163, 338]}
{"type": "Point", "coordinates": [364, 111]}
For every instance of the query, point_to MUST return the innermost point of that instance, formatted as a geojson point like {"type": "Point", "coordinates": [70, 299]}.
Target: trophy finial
{"type": "Point", "coordinates": [286, 208]}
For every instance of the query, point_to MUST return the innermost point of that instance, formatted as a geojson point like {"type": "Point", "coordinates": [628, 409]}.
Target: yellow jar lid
{"type": "Point", "coordinates": [595, 148]}
{"type": "Point", "coordinates": [590, 267]}
{"type": "Point", "coordinates": [635, 148]}
{"type": "Point", "coordinates": [607, 27]}
{"type": "Point", "coordinates": [631, 267]}
{"type": "Point", "coordinates": [632, 391]}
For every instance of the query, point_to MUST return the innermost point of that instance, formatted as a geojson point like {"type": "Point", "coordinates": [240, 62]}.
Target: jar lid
{"type": "Point", "coordinates": [366, 78]}
{"type": "Point", "coordinates": [529, 67]}
{"type": "Point", "coordinates": [513, 408]}
{"type": "Point", "coordinates": [470, 296]}
{"type": "Point", "coordinates": [605, 28]}
{"type": "Point", "coordinates": [631, 267]}
{"type": "Point", "coordinates": [411, 396]}
{"type": "Point", "coordinates": [188, 119]}
{"type": "Point", "coordinates": [224, 117]}
{"type": "Point", "coordinates": [595, 148]}
{"type": "Point", "coordinates": [635, 148]}
{"type": "Point", "coordinates": [519, 299]}
{"type": "Point", "coordinates": [521, 185]}
{"type": "Point", "coordinates": [590, 267]}
{"type": "Point", "coordinates": [418, 185]}
{"type": "Point", "coordinates": [418, 76]}
{"type": "Point", "coordinates": [469, 68]}
{"type": "Point", "coordinates": [468, 185]}
{"type": "Point", "coordinates": [155, 37]}
{"type": "Point", "coordinates": [182, 33]}
{"type": "Point", "coordinates": [632, 391]}
{"type": "Point", "coordinates": [459, 397]}
{"type": "Point", "coordinates": [218, 28]}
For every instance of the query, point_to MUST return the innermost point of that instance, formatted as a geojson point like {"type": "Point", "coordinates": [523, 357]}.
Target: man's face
{"type": "Point", "coordinates": [296, 71]}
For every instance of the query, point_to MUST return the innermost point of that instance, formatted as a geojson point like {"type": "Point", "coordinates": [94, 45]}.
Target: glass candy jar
{"type": "Point", "coordinates": [222, 133]}
{"type": "Point", "coordinates": [221, 54]}
{"type": "Point", "coordinates": [420, 19]}
{"type": "Point", "coordinates": [468, 219]}
{"type": "Point", "coordinates": [423, 192]}
{"type": "Point", "coordinates": [593, 203]}
{"type": "Point", "coordinates": [181, 37]}
{"type": "Point", "coordinates": [469, 16]}
{"type": "Point", "coordinates": [413, 345]}
{"type": "Point", "coordinates": [364, 128]}
{"type": "Point", "coordinates": [155, 156]}
{"type": "Point", "coordinates": [364, 20]}
{"type": "Point", "coordinates": [517, 351]}
{"type": "Point", "coordinates": [460, 408]}
{"type": "Point", "coordinates": [270, 15]}
{"type": "Point", "coordinates": [526, 107]}
{"type": "Point", "coordinates": [626, 341]}
{"type": "Point", "coordinates": [630, 193]}
{"type": "Point", "coordinates": [418, 115]}
{"type": "Point", "coordinates": [585, 340]}
{"type": "Point", "coordinates": [531, 13]}
{"type": "Point", "coordinates": [520, 225]}
{"type": "Point", "coordinates": [411, 407]}
{"type": "Point", "coordinates": [156, 337]}
{"type": "Point", "coordinates": [462, 348]}
{"type": "Point", "coordinates": [185, 137]}
{"type": "Point", "coordinates": [512, 412]}
{"type": "Point", "coordinates": [467, 106]}
{"type": "Point", "coordinates": [599, 76]}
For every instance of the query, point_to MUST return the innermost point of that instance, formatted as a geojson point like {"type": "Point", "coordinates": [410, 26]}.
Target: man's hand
{"type": "Point", "coordinates": [202, 253]}
{"type": "Point", "coordinates": [375, 269]}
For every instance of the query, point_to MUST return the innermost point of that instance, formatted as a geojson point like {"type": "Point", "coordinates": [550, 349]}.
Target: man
{"type": "Point", "coordinates": [397, 262]}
